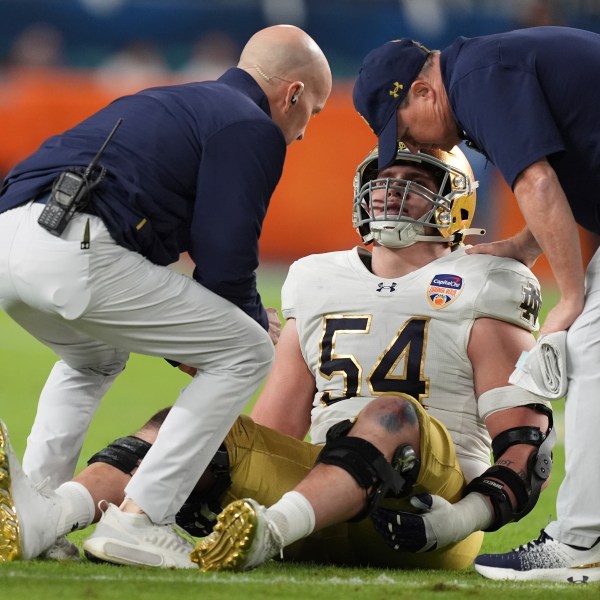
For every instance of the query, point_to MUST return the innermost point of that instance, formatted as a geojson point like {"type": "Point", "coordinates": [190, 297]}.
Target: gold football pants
{"type": "Point", "coordinates": [265, 464]}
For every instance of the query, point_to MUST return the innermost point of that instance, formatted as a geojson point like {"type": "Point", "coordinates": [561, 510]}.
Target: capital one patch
{"type": "Point", "coordinates": [443, 289]}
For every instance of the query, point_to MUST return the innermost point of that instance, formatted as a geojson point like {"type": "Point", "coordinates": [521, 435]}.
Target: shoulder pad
{"type": "Point", "coordinates": [510, 293]}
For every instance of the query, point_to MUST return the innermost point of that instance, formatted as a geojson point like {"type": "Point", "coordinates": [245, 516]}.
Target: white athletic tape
{"type": "Point", "coordinates": [509, 396]}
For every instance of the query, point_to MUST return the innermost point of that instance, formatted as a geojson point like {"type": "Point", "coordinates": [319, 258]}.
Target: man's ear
{"type": "Point", "coordinates": [421, 88]}
{"type": "Point", "coordinates": [295, 91]}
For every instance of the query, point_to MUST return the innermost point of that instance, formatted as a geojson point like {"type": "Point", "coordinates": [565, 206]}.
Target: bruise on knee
{"type": "Point", "coordinates": [387, 422]}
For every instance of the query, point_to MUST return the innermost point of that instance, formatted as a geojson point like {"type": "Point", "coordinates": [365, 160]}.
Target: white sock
{"type": "Point", "coordinates": [77, 508]}
{"type": "Point", "coordinates": [293, 516]}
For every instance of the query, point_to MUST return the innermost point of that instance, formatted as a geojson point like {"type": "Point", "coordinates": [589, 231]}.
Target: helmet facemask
{"type": "Point", "coordinates": [450, 205]}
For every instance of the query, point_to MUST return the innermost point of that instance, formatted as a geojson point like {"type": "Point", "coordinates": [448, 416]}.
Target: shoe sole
{"type": "Point", "coordinates": [105, 550]}
{"type": "Point", "coordinates": [227, 547]}
{"type": "Point", "coordinates": [106, 547]}
{"type": "Point", "coordinates": [573, 575]}
{"type": "Point", "coordinates": [10, 534]}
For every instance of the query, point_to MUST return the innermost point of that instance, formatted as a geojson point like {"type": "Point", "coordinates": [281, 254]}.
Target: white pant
{"type": "Point", "coordinates": [578, 502]}
{"type": "Point", "coordinates": [94, 306]}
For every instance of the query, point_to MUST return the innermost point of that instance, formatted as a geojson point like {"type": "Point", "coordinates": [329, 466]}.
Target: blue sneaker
{"type": "Point", "coordinates": [544, 559]}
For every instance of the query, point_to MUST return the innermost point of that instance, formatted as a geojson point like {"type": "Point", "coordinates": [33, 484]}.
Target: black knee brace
{"type": "Point", "coordinates": [199, 512]}
{"type": "Point", "coordinates": [498, 478]}
{"type": "Point", "coordinates": [124, 454]}
{"type": "Point", "coordinates": [369, 467]}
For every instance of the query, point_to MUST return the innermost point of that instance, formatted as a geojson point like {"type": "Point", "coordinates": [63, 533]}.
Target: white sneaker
{"type": "Point", "coordinates": [62, 549]}
{"type": "Point", "coordinates": [242, 539]}
{"type": "Point", "coordinates": [544, 559]}
{"type": "Point", "coordinates": [131, 539]}
{"type": "Point", "coordinates": [28, 514]}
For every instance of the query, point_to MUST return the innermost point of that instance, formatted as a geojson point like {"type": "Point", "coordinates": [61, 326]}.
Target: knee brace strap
{"type": "Point", "coordinates": [124, 453]}
{"type": "Point", "coordinates": [493, 482]}
{"type": "Point", "coordinates": [370, 469]}
{"type": "Point", "coordinates": [517, 435]}
{"type": "Point", "coordinates": [524, 435]}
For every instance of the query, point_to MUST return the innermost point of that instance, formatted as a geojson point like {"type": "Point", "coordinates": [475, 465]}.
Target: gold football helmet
{"type": "Point", "coordinates": [451, 206]}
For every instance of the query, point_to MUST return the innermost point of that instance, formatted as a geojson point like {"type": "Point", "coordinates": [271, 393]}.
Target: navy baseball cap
{"type": "Point", "coordinates": [384, 79]}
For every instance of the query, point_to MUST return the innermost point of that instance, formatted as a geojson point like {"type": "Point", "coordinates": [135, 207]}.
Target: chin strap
{"type": "Point", "coordinates": [454, 239]}
{"type": "Point", "coordinates": [458, 237]}
{"type": "Point", "coordinates": [471, 231]}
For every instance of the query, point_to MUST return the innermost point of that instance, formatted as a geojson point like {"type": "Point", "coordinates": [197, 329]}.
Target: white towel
{"type": "Point", "coordinates": [543, 370]}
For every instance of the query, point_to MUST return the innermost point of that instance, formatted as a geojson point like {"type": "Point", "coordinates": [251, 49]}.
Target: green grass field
{"type": "Point", "coordinates": [149, 384]}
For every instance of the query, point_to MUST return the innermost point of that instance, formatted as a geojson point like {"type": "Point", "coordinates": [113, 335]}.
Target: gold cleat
{"type": "Point", "coordinates": [10, 547]}
{"type": "Point", "coordinates": [243, 539]}
{"type": "Point", "coordinates": [227, 547]}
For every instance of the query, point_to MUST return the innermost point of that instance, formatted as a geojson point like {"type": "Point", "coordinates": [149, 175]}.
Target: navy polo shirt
{"type": "Point", "coordinates": [191, 169]}
{"type": "Point", "coordinates": [530, 94]}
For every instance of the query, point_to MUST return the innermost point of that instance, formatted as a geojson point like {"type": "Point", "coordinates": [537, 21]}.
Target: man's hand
{"type": "Point", "coordinates": [438, 525]}
{"type": "Point", "coordinates": [521, 247]}
{"type": "Point", "coordinates": [274, 324]}
{"type": "Point", "coordinates": [563, 314]}
{"type": "Point", "coordinates": [524, 248]}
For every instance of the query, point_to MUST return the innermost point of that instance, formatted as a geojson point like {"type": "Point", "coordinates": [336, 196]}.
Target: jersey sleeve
{"type": "Point", "coordinates": [511, 293]}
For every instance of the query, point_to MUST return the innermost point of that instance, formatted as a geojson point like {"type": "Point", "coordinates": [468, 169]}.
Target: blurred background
{"type": "Point", "coordinates": [60, 60]}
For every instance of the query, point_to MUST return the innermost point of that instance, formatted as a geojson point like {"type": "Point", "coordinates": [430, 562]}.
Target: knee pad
{"type": "Point", "coordinates": [369, 467]}
{"type": "Point", "coordinates": [124, 454]}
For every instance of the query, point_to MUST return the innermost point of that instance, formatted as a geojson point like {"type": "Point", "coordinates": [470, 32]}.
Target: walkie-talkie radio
{"type": "Point", "coordinates": [71, 191]}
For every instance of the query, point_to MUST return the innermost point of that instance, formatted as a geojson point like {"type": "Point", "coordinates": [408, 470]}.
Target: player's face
{"type": "Point", "coordinates": [415, 205]}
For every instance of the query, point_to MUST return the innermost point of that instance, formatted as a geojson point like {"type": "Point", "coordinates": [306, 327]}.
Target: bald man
{"type": "Point", "coordinates": [83, 255]}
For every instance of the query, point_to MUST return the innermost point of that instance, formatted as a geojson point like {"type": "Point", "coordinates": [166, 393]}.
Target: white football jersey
{"type": "Point", "coordinates": [363, 336]}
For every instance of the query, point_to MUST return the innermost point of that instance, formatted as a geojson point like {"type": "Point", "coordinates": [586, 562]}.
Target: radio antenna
{"type": "Point", "coordinates": [96, 158]}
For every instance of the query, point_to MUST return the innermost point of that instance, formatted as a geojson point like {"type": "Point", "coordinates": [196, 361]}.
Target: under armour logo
{"type": "Point", "coordinates": [397, 87]}
{"type": "Point", "coordinates": [381, 287]}
{"type": "Point", "coordinates": [584, 579]}
{"type": "Point", "coordinates": [532, 302]}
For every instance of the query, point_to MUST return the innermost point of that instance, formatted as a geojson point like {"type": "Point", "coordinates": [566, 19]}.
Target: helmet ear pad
{"type": "Point", "coordinates": [462, 211]}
